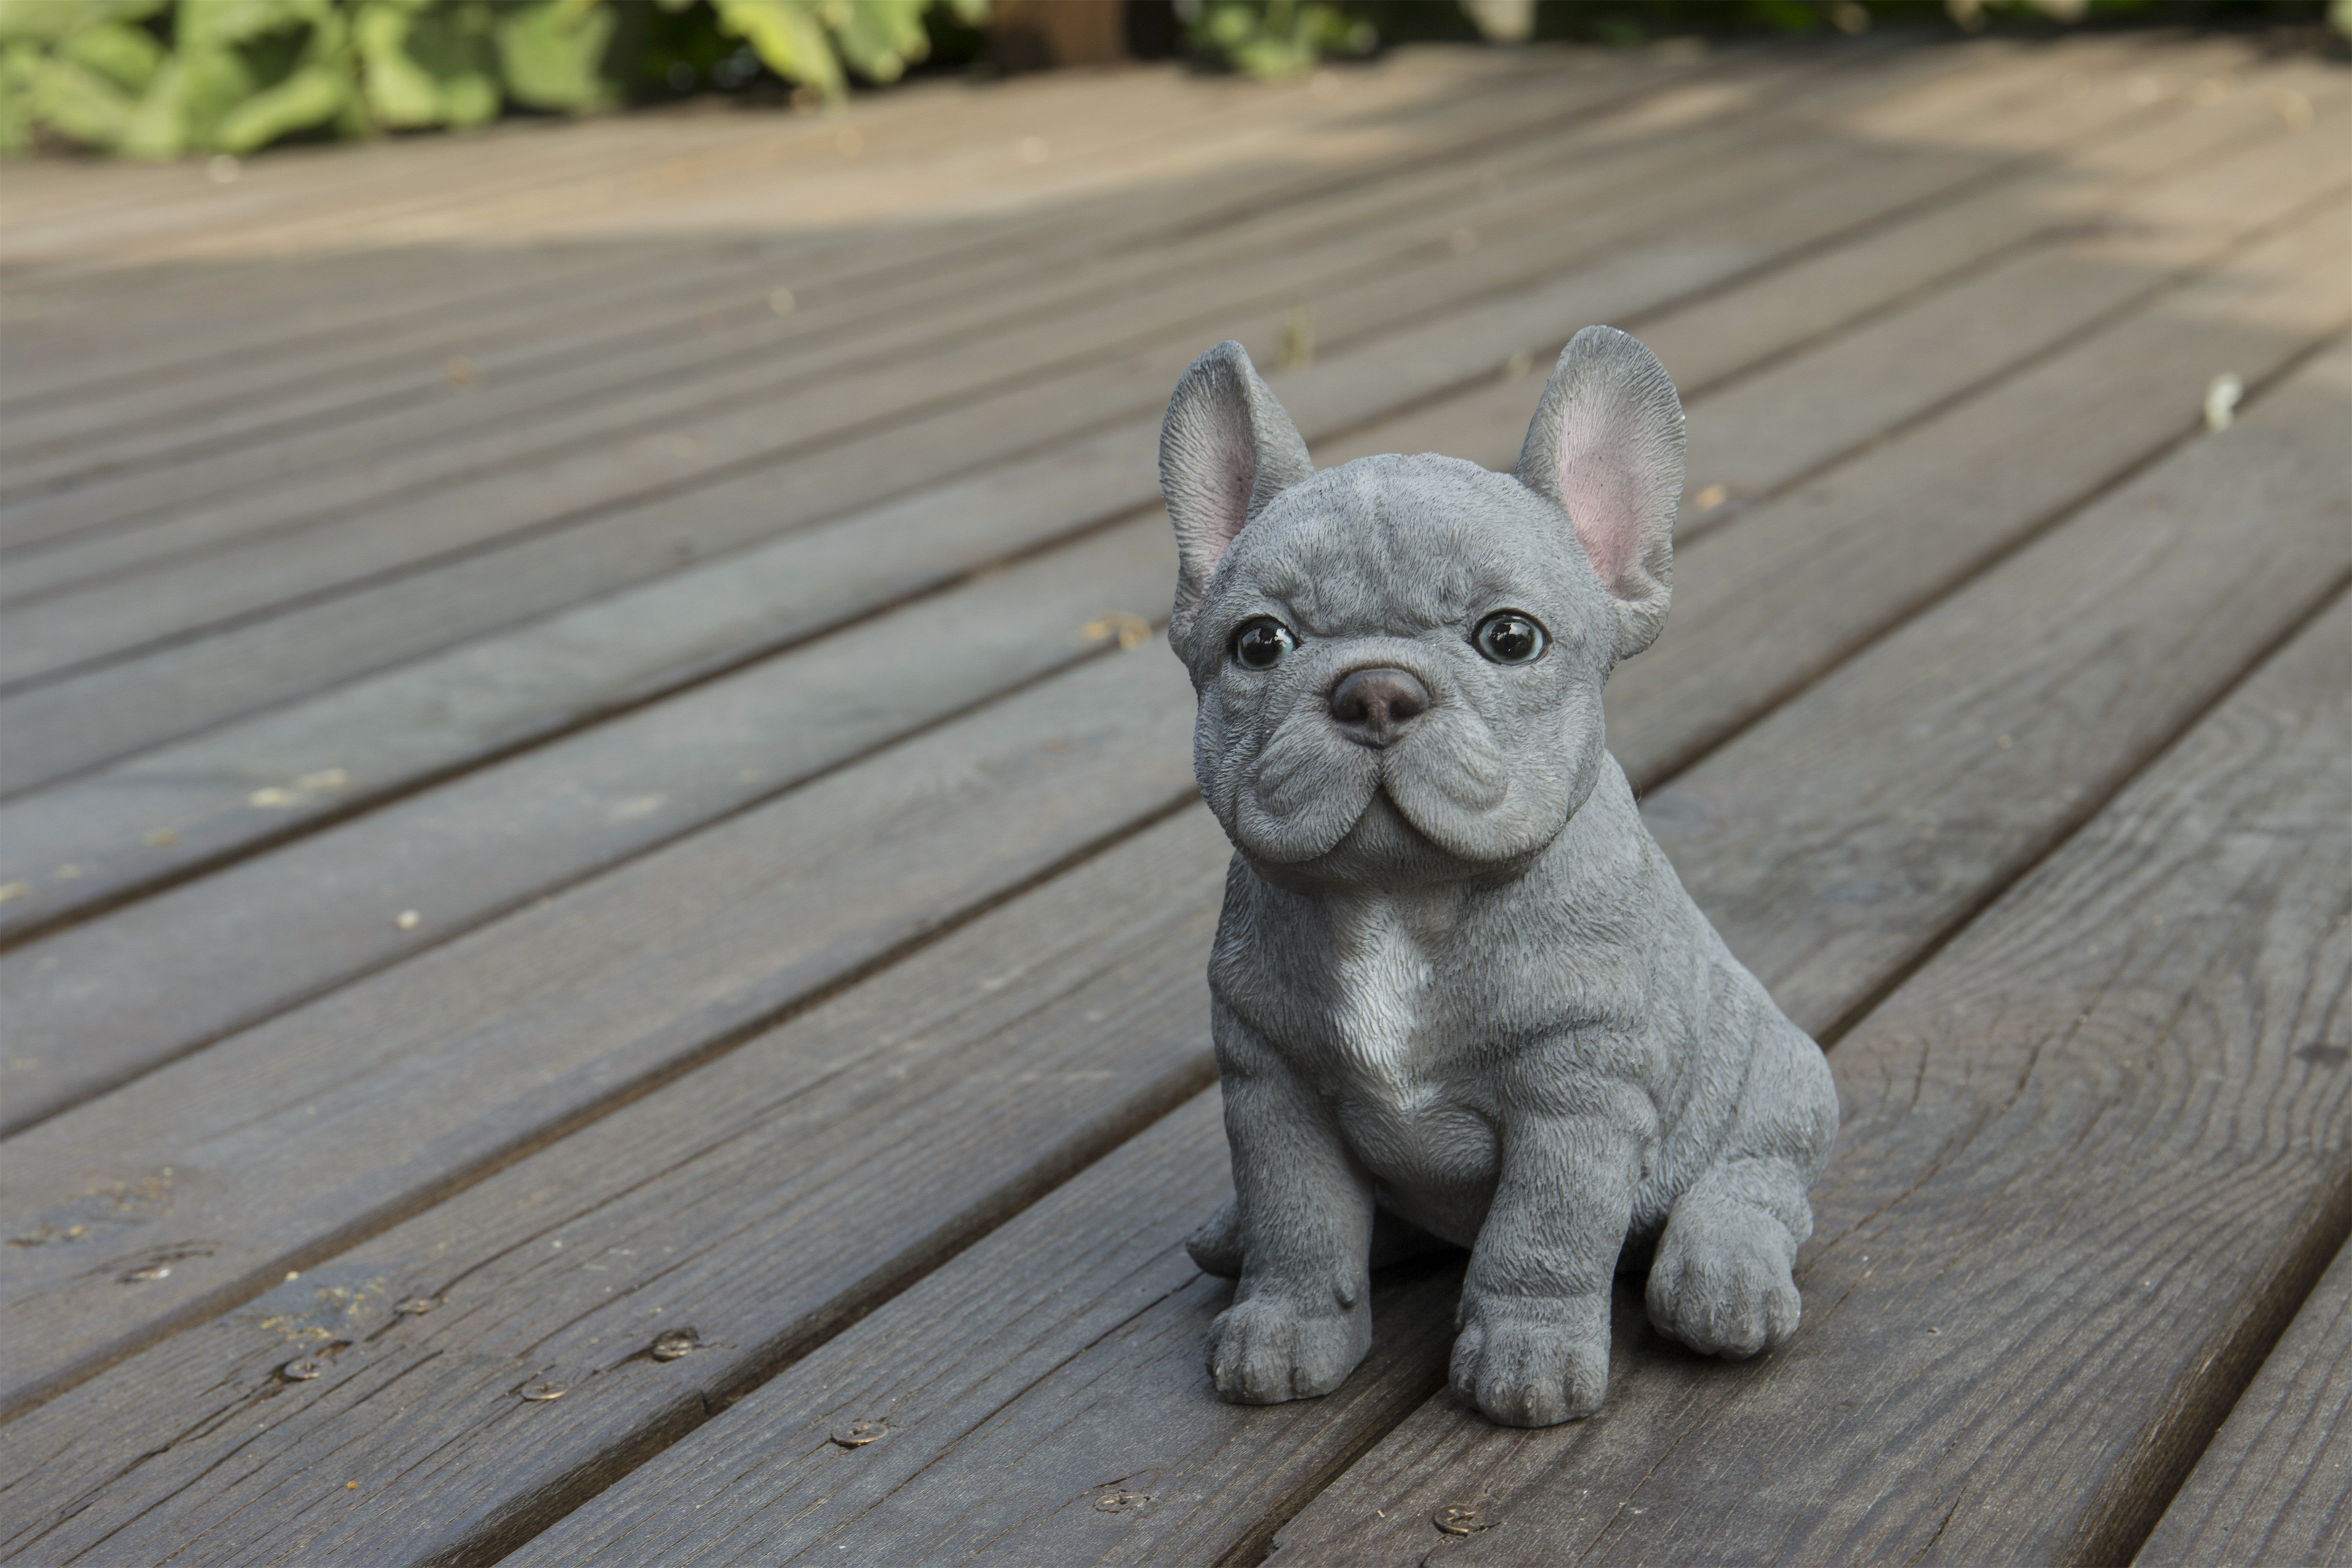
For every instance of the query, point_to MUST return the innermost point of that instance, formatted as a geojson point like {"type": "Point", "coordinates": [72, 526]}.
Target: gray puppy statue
{"type": "Point", "coordinates": [1460, 995]}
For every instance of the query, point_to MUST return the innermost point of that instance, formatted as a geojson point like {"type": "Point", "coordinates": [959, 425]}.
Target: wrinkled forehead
{"type": "Point", "coordinates": [1394, 543]}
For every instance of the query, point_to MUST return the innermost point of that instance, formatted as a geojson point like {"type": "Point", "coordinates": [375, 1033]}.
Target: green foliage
{"type": "Point", "coordinates": [1272, 39]}
{"type": "Point", "coordinates": [160, 79]}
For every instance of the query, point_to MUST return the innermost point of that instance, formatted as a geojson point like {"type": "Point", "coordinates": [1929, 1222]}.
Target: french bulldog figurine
{"type": "Point", "coordinates": [1460, 995]}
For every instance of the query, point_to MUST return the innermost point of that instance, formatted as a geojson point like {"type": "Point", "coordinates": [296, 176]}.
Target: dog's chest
{"type": "Point", "coordinates": [1400, 1061]}
{"type": "Point", "coordinates": [1383, 1016]}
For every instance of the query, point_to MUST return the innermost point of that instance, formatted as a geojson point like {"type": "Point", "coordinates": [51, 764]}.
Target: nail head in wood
{"type": "Point", "coordinates": [1456, 1519]}
{"type": "Point", "coordinates": [857, 1433]}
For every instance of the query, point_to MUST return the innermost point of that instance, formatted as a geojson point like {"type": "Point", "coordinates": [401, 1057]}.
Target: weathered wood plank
{"type": "Point", "coordinates": [1201, 140]}
{"type": "Point", "coordinates": [86, 1014]}
{"type": "Point", "coordinates": [83, 1017]}
{"type": "Point", "coordinates": [1988, 472]}
{"type": "Point", "coordinates": [336, 1118]}
{"type": "Point", "coordinates": [884, 1128]}
{"type": "Point", "coordinates": [728, 328]}
{"type": "Point", "coordinates": [2275, 1488]}
{"type": "Point", "coordinates": [958, 139]}
{"type": "Point", "coordinates": [646, 169]}
{"type": "Point", "coordinates": [106, 1000]}
{"type": "Point", "coordinates": [2190, 133]}
{"type": "Point", "coordinates": [2094, 410]}
{"type": "Point", "coordinates": [1857, 317]}
{"type": "Point", "coordinates": [198, 791]}
{"type": "Point", "coordinates": [2060, 1397]}
{"type": "Point", "coordinates": [236, 403]}
{"type": "Point", "coordinates": [1119, 349]}
{"type": "Point", "coordinates": [2089, 650]}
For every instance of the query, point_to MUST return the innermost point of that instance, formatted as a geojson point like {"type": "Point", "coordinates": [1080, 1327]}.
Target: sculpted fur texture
{"type": "Point", "coordinates": [1460, 995]}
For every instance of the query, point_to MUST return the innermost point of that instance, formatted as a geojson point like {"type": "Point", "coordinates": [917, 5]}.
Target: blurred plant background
{"type": "Point", "coordinates": [161, 79]}
{"type": "Point", "coordinates": [157, 78]}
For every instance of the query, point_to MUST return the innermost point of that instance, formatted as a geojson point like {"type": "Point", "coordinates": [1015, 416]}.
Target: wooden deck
{"type": "Point", "coordinates": [604, 911]}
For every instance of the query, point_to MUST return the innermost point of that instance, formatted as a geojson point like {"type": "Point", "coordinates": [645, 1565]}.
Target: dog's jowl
{"type": "Point", "coordinates": [1460, 995]}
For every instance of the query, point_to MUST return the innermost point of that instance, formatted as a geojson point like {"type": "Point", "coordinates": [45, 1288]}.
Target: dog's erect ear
{"type": "Point", "coordinates": [1607, 445]}
{"type": "Point", "coordinates": [1226, 449]}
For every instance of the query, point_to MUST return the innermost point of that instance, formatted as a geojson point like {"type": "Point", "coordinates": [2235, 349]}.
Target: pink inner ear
{"type": "Point", "coordinates": [1604, 503]}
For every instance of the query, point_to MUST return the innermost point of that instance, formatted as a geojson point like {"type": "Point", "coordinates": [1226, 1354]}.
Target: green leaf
{"type": "Point", "coordinates": [49, 21]}
{"type": "Point", "coordinates": [158, 126]}
{"type": "Point", "coordinates": [19, 64]}
{"type": "Point", "coordinates": [127, 57]}
{"type": "Point", "coordinates": [550, 53]}
{"type": "Point", "coordinates": [878, 38]}
{"type": "Point", "coordinates": [469, 100]}
{"type": "Point", "coordinates": [79, 104]}
{"type": "Point", "coordinates": [787, 36]}
{"type": "Point", "coordinates": [312, 96]}
{"type": "Point", "coordinates": [212, 83]}
{"type": "Point", "coordinates": [219, 22]}
{"type": "Point", "coordinates": [399, 91]}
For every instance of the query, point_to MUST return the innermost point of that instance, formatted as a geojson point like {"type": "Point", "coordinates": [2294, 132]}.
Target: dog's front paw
{"type": "Point", "coordinates": [1721, 1281]}
{"type": "Point", "coordinates": [1533, 1364]}
{"type": "Point", "coordinates": [1261, 1351]}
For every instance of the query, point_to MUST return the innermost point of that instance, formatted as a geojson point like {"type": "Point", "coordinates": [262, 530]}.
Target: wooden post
{"type": "Point", "coordinates": [1037, 35]}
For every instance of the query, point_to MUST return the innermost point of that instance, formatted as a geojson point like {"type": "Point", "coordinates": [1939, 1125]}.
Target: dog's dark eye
{"type": "Point", "coordinates": [1507, 636]}
{"type": "Point", "coordinates": [1263, 643]}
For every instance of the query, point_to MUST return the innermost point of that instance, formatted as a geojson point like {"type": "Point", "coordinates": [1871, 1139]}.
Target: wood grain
{"type": "Point", "coordinates": [956, 280]}
{"type": "Point", "coordinates": [1631, 741]}
{"type": "Point", "coordinates": [664, 165]}
{"type": "Point", "coordinates": [2063, 429]}
{"type": "Point", "coordinates": [724, 315]}
{"type": "Point", "coordinates": [196, 792]}
{"type": "Point", "coordinates": [591, 480]}
{"type": "Point", "coordinates": [2081, 1170]}
{"type": "Point", "coordinates": [764, 413]}
{"type": "Point", "coordinates": [337, 1118]}
{"type": "Point", "coordinates": [86, 1015]}
{"type": "Point", "coordinates": [2275, 1486]}
{"type": "Point", "coordinates": [1013, 1427]}
{"type": "Point", "coordinates": [1874, 321]}
{"type": "Point", "coordinates": [765, 1201]}
{"type": "Point", "coordinates": [103, 1001]}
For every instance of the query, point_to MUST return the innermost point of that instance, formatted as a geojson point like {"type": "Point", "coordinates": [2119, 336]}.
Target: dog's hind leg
{"type": "Point", "coordinates": [1722, 1280]}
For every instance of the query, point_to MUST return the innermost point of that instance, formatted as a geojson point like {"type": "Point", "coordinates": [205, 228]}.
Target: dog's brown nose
{"type": "Point", "coordinates": [1373, 705]}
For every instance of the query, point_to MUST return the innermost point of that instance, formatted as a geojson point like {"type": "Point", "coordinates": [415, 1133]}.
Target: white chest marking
{"type": "Point", "coordinates": [1384, 980]}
